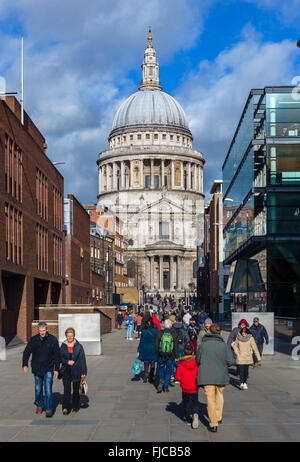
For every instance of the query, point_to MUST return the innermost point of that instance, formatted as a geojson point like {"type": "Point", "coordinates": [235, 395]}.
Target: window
{"type": "Point", "coordinates": [163, 230]}
{"type": "Point", "coordinates": [155, 136]}
{"type": "Point", "coordinates": [171, 137]}
{"type": "Point", "coordinates": [178, 138]}
{"type": "Point", "coordinates": [124, 138]}
{"type": "Point", "coordinates": [131, 137]}
{"type": "Point", "coordinates": [164, 136]}
{"type": "Point", "coordinates": [147, 136]}
{"type": "Point", "coordinates": [139, 136]}
{"type": "Point", "coordinates": [131, 269]}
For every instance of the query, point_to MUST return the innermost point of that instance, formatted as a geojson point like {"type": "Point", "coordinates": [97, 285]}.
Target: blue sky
{"type": "Point", "coordinates": [82, 59]}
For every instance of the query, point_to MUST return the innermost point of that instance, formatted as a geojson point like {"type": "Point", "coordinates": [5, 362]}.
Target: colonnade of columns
{"type": "Point", "coordinates": [150, 173]}
{"type": "Point", "coordinates": [169, 279]}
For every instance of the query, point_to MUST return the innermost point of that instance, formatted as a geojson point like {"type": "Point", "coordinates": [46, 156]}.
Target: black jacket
{"type": "Point", "coordinates": [45, 354]}
{"type": "Point", "coordinates": [78, 356]}
{"type": "Point", "coordinates": [259, 333]}
{"type": "Point", "coordinates": [175, 352]}
{"type": "Point", "coordinates": [182, 333]}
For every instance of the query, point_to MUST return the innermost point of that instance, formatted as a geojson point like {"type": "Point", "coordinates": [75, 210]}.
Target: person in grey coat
{"type": "Point", "coordinates": [214, 357]}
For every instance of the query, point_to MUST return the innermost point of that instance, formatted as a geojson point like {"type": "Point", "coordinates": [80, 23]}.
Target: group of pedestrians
{"type": "Point", "coordinates": [51, 362]}
{"type": "Point", "coordinates": [194, 354]}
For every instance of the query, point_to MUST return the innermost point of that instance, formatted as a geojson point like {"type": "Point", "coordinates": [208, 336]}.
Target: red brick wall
{"type": "Point", "coordinates": [31, 142]}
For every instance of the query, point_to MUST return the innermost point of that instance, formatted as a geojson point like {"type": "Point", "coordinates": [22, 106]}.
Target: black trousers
{"type": "Point", "coordinates": [67, 381]}
{"type": "Point", "coordinates": [244, 372]}
{"type": "Point", "coordinates": [190, 404]}
{"type": "Point", "coordinates": [260, 347]}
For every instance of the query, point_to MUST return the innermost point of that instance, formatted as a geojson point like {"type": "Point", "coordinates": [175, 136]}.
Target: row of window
{"type": "Point", "coordinates": [13, 169]}
{"type": "Point", "coordinates": [147, 136]}
{"type": "Point", "coordinates": [41, 194]}
{"type": "Point", "coordinates": [14, 234]}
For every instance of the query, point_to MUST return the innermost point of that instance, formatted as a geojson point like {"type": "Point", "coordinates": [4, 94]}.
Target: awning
{"type": "Point", "coordinates": [245, 276]}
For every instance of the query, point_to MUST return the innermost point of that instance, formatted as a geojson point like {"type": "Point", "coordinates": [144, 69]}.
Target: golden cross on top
{"type": "Point", "coordinates": [149, 38]}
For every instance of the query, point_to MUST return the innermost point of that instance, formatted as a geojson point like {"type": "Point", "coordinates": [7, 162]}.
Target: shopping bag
{"type": "Point", "coordinates": [137, 367]}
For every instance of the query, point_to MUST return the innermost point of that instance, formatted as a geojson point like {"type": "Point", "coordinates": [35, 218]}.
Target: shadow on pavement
{"type": "Point", "coordinates": [177, 409]}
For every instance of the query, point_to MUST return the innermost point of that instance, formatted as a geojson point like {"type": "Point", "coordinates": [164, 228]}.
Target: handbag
{"type": "Point", "coordinates": [83, 387]}
{"type": "Point", "coordinates": [137, 367]}
{"type": "Point", "coordinates": [61, 372]}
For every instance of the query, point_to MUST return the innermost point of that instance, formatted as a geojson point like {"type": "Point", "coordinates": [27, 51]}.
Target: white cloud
{"type": "Point", "coordinates": [77, 56]}
{"type": "Point", "coordinates": [214, 96]}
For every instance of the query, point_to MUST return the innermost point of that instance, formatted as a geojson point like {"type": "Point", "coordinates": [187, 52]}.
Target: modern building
{"type": "Point", "coordinates": [31, 223]}
{"type": "Point", "coordinates": [152, 178]}
{"type": "Point", "coordinates": [261, 184]}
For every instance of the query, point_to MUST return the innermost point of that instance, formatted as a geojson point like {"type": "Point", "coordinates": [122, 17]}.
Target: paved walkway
{"type": "Point", "coordinates": [121, 408]}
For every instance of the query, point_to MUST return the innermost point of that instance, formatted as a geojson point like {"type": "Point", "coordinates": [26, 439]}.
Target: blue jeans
{"type": "Point", "coordinates": [129, 330]}
{"type": "Point", "coordinates": [40, 401]}
{"type": "Point", "coordinates": [165, 369]}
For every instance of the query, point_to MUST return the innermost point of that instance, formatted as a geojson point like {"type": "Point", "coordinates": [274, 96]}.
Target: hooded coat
{"type": "Point", "coordinates": [186, 374]}
{"type": "Point", "coordinates": [147, 345]}
{"type": "Point", "coordinates": [213, 357]}
{"type": "Point", "coordinates": [242, 348]}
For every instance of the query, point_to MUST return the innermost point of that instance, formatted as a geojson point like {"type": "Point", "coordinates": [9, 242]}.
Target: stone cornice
{"type": "Point", "coordinates": [151, 151]}
{"type": "Point", "coordinates": [150, 128]}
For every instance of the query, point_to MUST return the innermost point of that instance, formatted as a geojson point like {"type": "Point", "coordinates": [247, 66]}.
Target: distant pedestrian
{"type": "Point", "coordinates": [156, 321]}
{"type": "Point", "coordinates": [186, 375]}
{"type": "Point", "coordinates": [204, 331]}
{"type": "Point", "coordinates": [129, 323]}
{"type": "Point", "coordinates": [73, 370]}
{"type": "Point", "coordinates": [147, 350]}
{"type": "Point", "coordinates": [139, 320]}
{"type": "Point", "coordinates": [193, 332]}
{"type": "Point", "coordinates": [120, 320]}
{"type": "Point", "coordinates": [214, 357]}
{"type": "Point", "coordinates": [260, 334]}
{"type": "Point", "coordinates": [45, 364]}
{"type": "Point", "coordinates": [167, 350]}
{"type": "Point", "coordinates": [186, 319]}
{"type": "Point", "coordinates": [243, 346]}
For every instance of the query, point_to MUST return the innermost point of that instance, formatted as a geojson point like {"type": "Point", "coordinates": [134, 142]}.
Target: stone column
{"type": "Point", "coordinates": [188, 185]}
{"type": "Point", "coordinates": [162, 172]}
{"type": "Point", "coordinates": [100, 180]}
{"type": "Point", "coordinates": [108, 177]}
{"type": "Point", "coordinates": [152, 174]}
{"type": "Point", "coordinates": [179, 272]}
{"type": "Point", "coordinates": [195, 178]}
{"type": "Point", "coordinates": [122, 174]}
{"type": "Point", "coordinates": [141, 173]}
{"type": "Point", "coordinates": [151, 272]}
{"type": "Point", "coordinates": [171, 272]}
{"type": "Point", "coordinates": [181, 175]}
{"type": "Point", "coordinates": [115, 176]}
{"type": "Point", "coordinates": [172, 174]}
{"type": "Point", "coordinates": [161, 273]}
{"type": "Point", "coordinates": [131, 173]}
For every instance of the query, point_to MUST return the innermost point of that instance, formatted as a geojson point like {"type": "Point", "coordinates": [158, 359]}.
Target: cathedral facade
{"type": "Point", "coordinates": [152, 178]}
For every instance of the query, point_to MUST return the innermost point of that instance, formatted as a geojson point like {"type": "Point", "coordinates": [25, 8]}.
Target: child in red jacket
{"type": "Point", "coordinates": [186, 374]}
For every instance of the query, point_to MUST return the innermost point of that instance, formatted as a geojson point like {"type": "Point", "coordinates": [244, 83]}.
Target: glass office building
{"type": "Point", "coordinates": [261, 178]}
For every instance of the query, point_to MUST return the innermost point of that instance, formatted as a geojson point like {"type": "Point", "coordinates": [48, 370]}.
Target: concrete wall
{"type": "Point", "coordinates": [87, 328]}
{"type": "Point", "coordinates": [266, 319]}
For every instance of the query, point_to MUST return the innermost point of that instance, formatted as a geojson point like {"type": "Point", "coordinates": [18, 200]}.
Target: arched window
{"type": "Point", "coordinates": [131, 269]}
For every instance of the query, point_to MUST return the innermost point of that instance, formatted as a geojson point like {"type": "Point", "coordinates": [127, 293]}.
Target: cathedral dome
{"type": "Point", "coordinates": [150, 107]}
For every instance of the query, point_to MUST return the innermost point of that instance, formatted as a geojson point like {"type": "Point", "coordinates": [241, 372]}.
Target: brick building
{"type": "Point", "coordinates": [104, 218]}
{"type": "Point", "coordinates": [31, 223]}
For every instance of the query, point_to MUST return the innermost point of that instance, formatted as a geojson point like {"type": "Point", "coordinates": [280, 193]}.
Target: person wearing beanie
{"type": "Point", "coordinates": [259, 334]}
{"type": "Point", "coordinates": [232, 337]}
{"type": "Point", "coordinates": [186, 375]}
{"type": "Point", "coordinates": [204, 331]}
{"type": "Point", "coordinates": [243, 347]}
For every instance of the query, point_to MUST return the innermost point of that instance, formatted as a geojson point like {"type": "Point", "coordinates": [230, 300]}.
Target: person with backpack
{"type": "Point", "coordinates": [167, 348]}
{"type": "Point", "coordinates": [193, 331]}
{"type": "Point", "coordinates": [147, 350]}
{"type": "Point", "coordinates": [186, 375]}
{"type": "Point", "coordinates": [182, 334]}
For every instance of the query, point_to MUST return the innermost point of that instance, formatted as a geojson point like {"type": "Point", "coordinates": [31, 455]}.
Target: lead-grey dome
{"type": "Point", "coordinates": [150, 107]}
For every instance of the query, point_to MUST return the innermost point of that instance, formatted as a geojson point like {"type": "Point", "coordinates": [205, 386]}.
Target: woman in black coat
{"type": "Point", "coordinates": [73, 370]}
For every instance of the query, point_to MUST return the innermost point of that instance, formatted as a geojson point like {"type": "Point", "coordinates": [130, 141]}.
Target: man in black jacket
{"type": "Point", "coordinates": [45, 358]}
{"type": "Point", "coordinates": [260, 334]}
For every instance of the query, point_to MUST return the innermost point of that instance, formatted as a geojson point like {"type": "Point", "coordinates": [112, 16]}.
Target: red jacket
{"type": "Point", "coordinates": [186, 374]}
{"type": "Point", "coordinates": [156, 322]}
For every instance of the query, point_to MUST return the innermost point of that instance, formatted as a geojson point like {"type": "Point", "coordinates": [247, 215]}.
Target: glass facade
{"type": "Point", "coordinates": [262, 205]}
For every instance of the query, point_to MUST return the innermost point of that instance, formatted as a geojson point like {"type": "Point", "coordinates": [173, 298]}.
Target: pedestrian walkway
{"type": "Point", "coordinates": [120, 408]}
